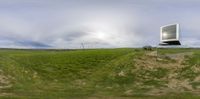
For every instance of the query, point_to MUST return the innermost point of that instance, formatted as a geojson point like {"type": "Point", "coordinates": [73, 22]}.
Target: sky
{"type": "Point", "coordinates": [95, 23]}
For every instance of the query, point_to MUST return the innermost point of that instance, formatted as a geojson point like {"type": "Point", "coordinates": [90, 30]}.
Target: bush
{"type": "Point", "coordinates": [149, 48]}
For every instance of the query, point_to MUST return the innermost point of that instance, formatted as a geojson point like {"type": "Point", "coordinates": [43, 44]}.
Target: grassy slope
{"type": "Point", "coordinates": [82, 73]}
{"type": "Point", "coordinates": [52, 73]}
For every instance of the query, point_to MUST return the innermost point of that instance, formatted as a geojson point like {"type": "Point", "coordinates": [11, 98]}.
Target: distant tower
{"type": "Point", "coordinates": [82, 45]}
{"type": "Point", "coordinates": [169, 35]}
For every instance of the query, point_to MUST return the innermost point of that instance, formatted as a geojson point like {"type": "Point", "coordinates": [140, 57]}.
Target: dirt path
{"type": "Point", "coordinates": [4, 83]}
{"type": "Point", "coordinates": [151, 61]}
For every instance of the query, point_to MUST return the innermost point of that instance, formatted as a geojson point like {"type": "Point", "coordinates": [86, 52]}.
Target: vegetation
{"type": "Point", "coordinates": [97, 73]}
{"type": "Point", "coordinates": [148, 47]}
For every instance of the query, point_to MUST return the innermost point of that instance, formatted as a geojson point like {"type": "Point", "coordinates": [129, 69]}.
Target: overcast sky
{"type": "Point", "coordinates": [95, 23]}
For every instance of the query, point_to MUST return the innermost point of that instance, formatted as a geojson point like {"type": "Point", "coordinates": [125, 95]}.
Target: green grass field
{"type": "Point", "coordinates": [99, 73]}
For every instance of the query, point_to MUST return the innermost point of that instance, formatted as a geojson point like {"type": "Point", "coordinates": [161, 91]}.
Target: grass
{"type": "Point", "coordinates": [80, 74]}
{"type": "Point", "coordinates": [174, 50]}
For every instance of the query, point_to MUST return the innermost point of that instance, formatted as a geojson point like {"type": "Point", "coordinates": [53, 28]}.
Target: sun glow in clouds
{"type": "Point", "coordinates": [108, 30]}
{"type": "Point", "coordinates": [101, 35]}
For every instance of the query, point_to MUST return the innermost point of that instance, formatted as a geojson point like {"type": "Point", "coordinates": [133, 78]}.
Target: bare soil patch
{"type": "Point", "coordinates": [5, 83]}
{"type": "Point", "coordinates": [170, 62]}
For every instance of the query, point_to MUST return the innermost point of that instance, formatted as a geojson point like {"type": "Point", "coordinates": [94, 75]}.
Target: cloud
{"type": "Point", "coordinates": [96, 23]}
{"type": "Point", "coordinates": [15, 43]}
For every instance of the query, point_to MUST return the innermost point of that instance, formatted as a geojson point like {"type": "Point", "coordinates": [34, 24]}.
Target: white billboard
{"type": "Point", "coordinates": [170, 34]}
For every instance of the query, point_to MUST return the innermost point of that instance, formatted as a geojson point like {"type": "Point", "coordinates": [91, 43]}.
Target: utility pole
{"type": "Point", "coordinates": [82, 45]}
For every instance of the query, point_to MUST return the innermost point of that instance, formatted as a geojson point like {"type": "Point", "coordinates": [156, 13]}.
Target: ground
{"type": "Point", "coordinates": [100, 74]}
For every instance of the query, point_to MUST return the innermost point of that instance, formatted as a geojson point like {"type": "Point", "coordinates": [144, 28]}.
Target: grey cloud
{"type": "Point", "coordinates": [70, 36]}
{"type": "Point", "coordinates": [7, 42]}
{"type": "Point", "coordinates": [32, 44]}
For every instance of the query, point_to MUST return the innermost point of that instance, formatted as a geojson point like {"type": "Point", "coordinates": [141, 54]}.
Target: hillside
{"type": "Point", "coordinates": [100, 73]}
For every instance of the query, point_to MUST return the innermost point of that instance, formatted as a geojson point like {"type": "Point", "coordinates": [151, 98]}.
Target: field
{"type": "Point", "coordinates": [123, 73]}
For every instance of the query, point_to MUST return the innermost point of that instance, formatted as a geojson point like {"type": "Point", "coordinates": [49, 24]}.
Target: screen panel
{"type": "Point", "coordinates": [169, 32]}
